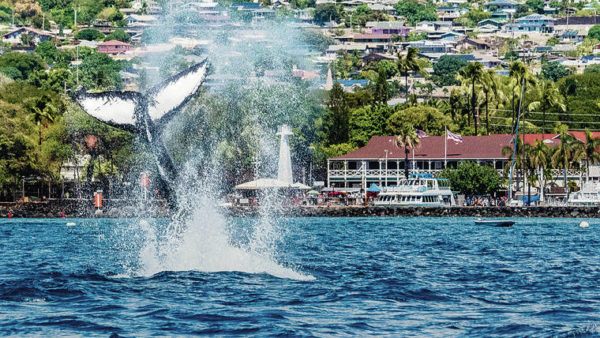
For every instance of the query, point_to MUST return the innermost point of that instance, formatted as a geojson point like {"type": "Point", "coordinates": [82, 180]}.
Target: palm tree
{"type": "Point", "coordinates": [408, 139]}
{"type": "Point", "coordinates": [565, 153]}
{"type": "Point", "coordinates": [530, 170]}
{"type": "Point", "coordinates": [409, 63]}
{"type": "Point", "coordinates": [42, 110]}
{"type": "Point", "coordinates": [548, 97]}
{"type": "Point", "coordinates": [538, 156]}
{"type": "Point", "coordinates": [473, 73]}
{"type": "Point", "coordinates": [521, 75]}
{"type": "Point", "coordinates": [489, 86]}
{"type": "Point", "coordinates": [518, 159]}
{"type": "Point", "coordinates": [589, 152]}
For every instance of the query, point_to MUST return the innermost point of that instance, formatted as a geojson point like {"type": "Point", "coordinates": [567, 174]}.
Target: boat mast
{"type": "Point", "coordinates": [515, 141]}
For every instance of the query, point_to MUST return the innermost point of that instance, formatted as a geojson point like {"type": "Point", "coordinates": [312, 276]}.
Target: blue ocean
{"type": "Point", "coordinates": [299, 277]}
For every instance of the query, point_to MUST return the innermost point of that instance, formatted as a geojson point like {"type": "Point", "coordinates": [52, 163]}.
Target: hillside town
{"type": "Point", "coordinates": [389, 79]}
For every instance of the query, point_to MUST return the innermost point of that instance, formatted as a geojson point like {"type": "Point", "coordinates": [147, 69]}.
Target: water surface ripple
{"type": "Point", "coordinates": [374, 276]}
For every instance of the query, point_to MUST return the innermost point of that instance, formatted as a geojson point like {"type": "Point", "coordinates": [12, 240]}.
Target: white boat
{"type": "Point", "coordinates": [423, 191]}
{"type": "Point", "coordinates": [589, 195]}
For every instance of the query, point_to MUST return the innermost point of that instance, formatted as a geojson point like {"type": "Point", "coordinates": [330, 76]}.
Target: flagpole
{"type": "Point", "coordinates": [445, 147]}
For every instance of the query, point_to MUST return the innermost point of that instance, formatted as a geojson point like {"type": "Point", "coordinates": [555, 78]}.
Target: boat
{"type": "Point", "coordinates": [495, 222]}
{"type": "Point", "coordinates": [589, 195]}
{"type": "Point", "coordinates": [418, 191]}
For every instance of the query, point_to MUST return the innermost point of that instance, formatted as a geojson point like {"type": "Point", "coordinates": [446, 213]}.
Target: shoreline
{"type": "Point", "coordinates": [85, 209]}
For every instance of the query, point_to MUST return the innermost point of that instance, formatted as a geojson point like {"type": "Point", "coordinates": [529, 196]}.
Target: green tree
{"type": "Point", "coordinates": [422, 117]}
{"type": "Point", "coordinates": [470, 178]}
{"type": "Point", "coordinates": [594, 32]}
{"type": "Point", "coordinates": [446, 69]}
{"type": "Point", "coordinates": [99, 71]}
{"type": "Point", "coordinates": [366, 122]}
{"type": "Point", "coordinates": [406, 137]}
{"type": "Point", "coordinates": [473, 74]}
{"type": "Point", "coordinates": [24, 63]}
{"type": "Point", "coordinates": [589, 152]}
{"type": "Point", "coordinates": [595, 68]}
{"type": "Point", "coordinates": [408, 64]}
{"type": "Point", "coordinates": [564, 154]}
{"type": "Point", "coordinates": [539, 158]}
{"type": "Point", "coordinates": [327, 13]}
{"type": "Point", "coordinates": [554, 71]}
{"type": "Point", "coordinates": [536, 6]}
{"type": "Point", "coordinates": [118, 34]}
{"type": "Point", "coordinates": [89, 34]}
{"type": "Point", "coordinates": [415, 11]}
{"type": "Point", "coordinates": [489, 86]}
{"type": "Point", "coordinates": [337, 116]}
{"type": "Point", "coordinates": [548, 97]}
{"type": "Point", "coordinates": [381, 94]}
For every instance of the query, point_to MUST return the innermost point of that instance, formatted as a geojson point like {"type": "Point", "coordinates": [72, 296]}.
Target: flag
{"type": "Point", "coordinates": [454, 137]}
{"type": "Point", "coordinates": [421, 133]}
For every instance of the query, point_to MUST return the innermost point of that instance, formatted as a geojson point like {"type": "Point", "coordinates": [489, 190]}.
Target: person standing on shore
{"type": "Point", "coordinates": [10, 214]}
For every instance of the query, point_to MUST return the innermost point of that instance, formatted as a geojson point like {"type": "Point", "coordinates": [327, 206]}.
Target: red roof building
{"type": "Point", "coordinates": [382, 162]}
{"type": "Point", "coordinates": [113, 47]}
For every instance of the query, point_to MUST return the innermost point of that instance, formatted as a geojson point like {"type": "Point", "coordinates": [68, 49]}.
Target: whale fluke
{"type": "Point", "coordinates": [145, 113]}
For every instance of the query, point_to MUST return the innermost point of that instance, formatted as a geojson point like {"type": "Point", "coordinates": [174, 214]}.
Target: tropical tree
{"type": "Point", "coordinates": [539, 158]}
{"type": "Point", "coordinates": [548, 97]}
{"type": "Point", "coordinates": [408, 139]}
{"type": "Point", "coordinates": [473, 74]}
{"type": "Point", "coordinates": [409, 63]}
{"type": "Point", "coordinates": [489, 86]}
{"type": "Point", "coordinates": [589, 152]}
{"type": "Point", "coordinates": [565, 154]}
{"type": "Point", "coordinates": [521, 77]}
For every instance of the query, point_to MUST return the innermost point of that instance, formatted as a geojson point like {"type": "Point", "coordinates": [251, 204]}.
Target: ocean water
{"type": "Point", "coordinates": [328, 276]}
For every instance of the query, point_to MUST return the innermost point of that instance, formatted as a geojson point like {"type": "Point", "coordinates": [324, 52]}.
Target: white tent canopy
{"type": "Point", "coordinates": [262, 183]}
{"type": "Point", "coordinates": [270, 183]}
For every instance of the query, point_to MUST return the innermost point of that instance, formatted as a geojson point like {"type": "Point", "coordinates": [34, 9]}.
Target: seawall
{"type": "Point", "coordinates": [360, 211]}
{"type": "Point", "coordinates": [85, 208]}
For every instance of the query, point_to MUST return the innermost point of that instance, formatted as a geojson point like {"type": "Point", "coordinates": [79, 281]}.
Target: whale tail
{"type": "Point", "coordinates": [120, 109]}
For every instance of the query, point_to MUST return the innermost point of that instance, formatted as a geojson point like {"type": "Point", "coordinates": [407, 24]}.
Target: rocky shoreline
{"type": "Point", "coordinates": [85, 209]}
{"type": "Point", "coordinates": [360, 211]}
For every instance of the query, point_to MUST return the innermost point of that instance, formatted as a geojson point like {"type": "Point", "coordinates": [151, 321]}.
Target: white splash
{"type": "Point", "coordinates": [205, 245]}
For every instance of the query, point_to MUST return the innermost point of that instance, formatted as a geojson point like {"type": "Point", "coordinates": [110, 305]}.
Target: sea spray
{"type": "Point", "coordinates": [249, 94]}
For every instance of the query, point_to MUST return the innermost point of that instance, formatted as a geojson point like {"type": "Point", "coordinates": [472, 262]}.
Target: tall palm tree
{"type": "Point", "coordinates": [589, 152]}
{"type": "Point", "coordinates": [539, 158]}
{"type": "Point", "coordinates": [521, 76]}
{"type": "Point", "coordinates": [519, 159]}
{"type": "Point", "coordinates": [473, 73]}
{"type": "Point", "coordinates": [408, 139]}
{"type": "Point", "coordinates": [489, 86]}
{"type": "Point", "coordinates": [548, 97]}
{"type": "Point", "coordinates": [565, 153]}
{"type": "Point", "coordinates": [409, 63]}
{"type": "Point", "coordinates": [530, 170]}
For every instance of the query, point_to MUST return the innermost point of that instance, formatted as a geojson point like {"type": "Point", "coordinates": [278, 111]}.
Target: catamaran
{"type": "Point", "coordinates": [422, 191]}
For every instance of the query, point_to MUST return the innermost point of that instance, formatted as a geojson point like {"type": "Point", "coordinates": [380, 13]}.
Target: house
{"type": "Point", "coordinates": [487, 29]}
{"type": "Point", "coordinates": [492, 22]}
{"type": "Point", "coordinates": [26, 34]}
{"type": "Point", "coordinates": [352, 85]}
{"type": "Point", "coordinates": [388, 27]}
{"type": "Point", "coordinates": [452, 36]}
{"type": "Point", "coordinates": [134, 19]}
{"type": "Point", "coordinates": [426, 46]}
{"type": "Point", "coordinates": [532, 23]}
{"type": "Point", "coordinates": [450, 13]}
{"type": "Point", "coordinates": [372, 38]}
{"type": "Point", "coordinates": [113, 47]}
{"type": "Point", "coordinates": [382, 162]}
{"type": "Point", "coordinates": [501, 16]}
{"type": "Point", "coordinates": [472, 43]}
{"type": "Point", "coordinates": [434, 26]}
{"type": "Point", "coordinates": [506, 6]}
